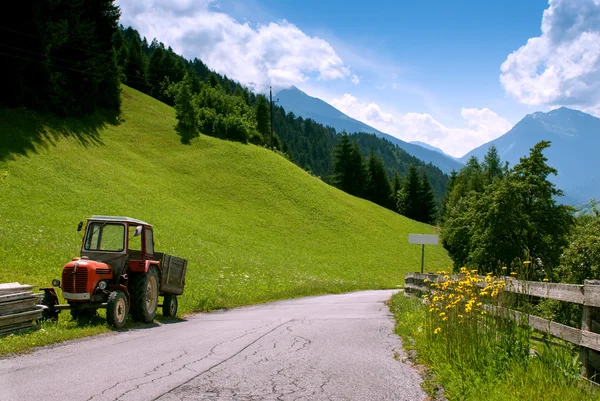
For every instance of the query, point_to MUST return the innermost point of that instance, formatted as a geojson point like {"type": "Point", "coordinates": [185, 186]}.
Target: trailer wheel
{"type": "Point", "coordinates": [117, 309]}
{"type": "Point", "coordinates": [50, 300]}
{"type": "Point", "coordinates": [77, 312]}
{"type": "Point", "coordinates": [144, 295]}
{"type": "Point", "coordinates": [170, 305]}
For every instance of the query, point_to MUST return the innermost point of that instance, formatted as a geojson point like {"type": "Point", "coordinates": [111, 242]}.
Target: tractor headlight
{"type": "Point", "coordinates": [56, 283]}
{"type": "Point", "coordinates": [102, 285]}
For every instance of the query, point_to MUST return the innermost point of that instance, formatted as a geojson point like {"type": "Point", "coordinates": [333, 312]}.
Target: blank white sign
{"type": "Point", "coordinates": [422, 239]}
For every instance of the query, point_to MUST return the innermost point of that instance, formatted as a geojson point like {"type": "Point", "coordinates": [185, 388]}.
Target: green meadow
{"type": "Point", "coordinates": [254, 226]}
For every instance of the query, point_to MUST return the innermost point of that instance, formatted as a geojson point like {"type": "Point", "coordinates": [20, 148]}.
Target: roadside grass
{"type": "Point", "coordinates": [254, 227]}
{"type": "Point", "coordinates": [476, 357]}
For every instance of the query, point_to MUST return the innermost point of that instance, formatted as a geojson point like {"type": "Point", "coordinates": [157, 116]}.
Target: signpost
{"type": "Point", "coordinates": [422, 239]}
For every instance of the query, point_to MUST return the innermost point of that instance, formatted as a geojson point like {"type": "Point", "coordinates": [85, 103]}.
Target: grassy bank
{"type": "Point", "coordinates": [471, 363]}
{"type": "Point", "coordinates": [253, 226]}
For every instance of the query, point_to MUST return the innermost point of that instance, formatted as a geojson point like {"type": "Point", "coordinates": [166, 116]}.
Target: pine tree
{"type": "Point", "coordinates": [349, 171]}
{"type": "Point", "coordinates": [409, 205]}
{"type": "Point", "coordinates": [445, 200]}
{"type": "Point", "coordinates": [122, 54]}
{"type": "Point", "coordinates": [427, 211]}
{"type": "Point", "coordinates": [396, 188]}
{"type": "Point", "coordinates": [137, 65]}
{"type": "Point", "coordinates": [263, 123]}
{"type": "Point", "coordinates": [378, 185]}
{"type": "Point", "coordinates": [492, 165]}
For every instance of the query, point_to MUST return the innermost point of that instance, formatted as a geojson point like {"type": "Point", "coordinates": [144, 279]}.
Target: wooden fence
{"type": "Point", "coordinates": [587, 295]}
{"type": "Point", "coordinates": [18, 307]}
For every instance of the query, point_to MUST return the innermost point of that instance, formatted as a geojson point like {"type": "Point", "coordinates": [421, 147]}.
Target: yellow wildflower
{"type": "Point", "coordinates": [445, 318]}
{"type": "Point", "coordinates": [527, 262]}
{"type": "Point", "coordinates": [436, 331]}
{"type": "Point", "coordinates": [479, 304]}
{"type": "Point", "coordinates": [513, 273]}
{"type": "Point", "coordinates": [442, 313]}
{"type": "Point", "coordinates": [545, 280]}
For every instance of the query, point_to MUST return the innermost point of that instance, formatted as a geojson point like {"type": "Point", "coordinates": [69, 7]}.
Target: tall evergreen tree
{"type": "Point", "coordinates": [121, 51]}
{"type": "Point", "coordinates": [445, 200]}
{"type": "Point", "coordinates": [409, 201]}
{"type": "Point", "coordinates": [349, 171]}
{"type": "Point", "coordinates": [263, 122]}
{"type": "Point", "coordinates": [396, 188]}
{"type": "Point", "coordinates": [492, 166]}
{"type": "Point", "coordinates": [137, 64]}
{"type": "Point", "coordinates": [378, 185]}
{"type": "Point", "coordinates": [427, 211]}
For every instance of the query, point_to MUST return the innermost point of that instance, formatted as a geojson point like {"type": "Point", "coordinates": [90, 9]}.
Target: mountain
{"type": "Point", "coordinates": [295, 101]}
{"type": "Point", "coordinates": [575, 138]}
{"type": "Point", "coordinates": [428, 146]}
{"type": "Point", "coordinates": [310, 145]}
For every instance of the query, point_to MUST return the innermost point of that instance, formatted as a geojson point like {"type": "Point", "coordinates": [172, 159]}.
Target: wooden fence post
{"type": "Point", "coordinates": [586, 325]}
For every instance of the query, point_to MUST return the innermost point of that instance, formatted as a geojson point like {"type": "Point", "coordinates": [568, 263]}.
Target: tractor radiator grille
{"type": "Point", "coordinates": [103, 271]}
{"type": "Point", "coordinates": [74, 283]}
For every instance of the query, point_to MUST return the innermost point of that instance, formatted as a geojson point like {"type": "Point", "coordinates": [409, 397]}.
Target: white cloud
{"type": "Point", "coordinates": [482, 125]}
{"type": "Point", "coordinates": [562, 66]}
{"type": "Point", "coordinates": [354, 79]}
{"type": "Point", "coordinates": [277, 54]}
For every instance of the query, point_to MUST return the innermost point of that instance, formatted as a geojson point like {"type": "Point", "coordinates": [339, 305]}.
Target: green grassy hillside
{"type": "Point", "coordinates": [253, 226]}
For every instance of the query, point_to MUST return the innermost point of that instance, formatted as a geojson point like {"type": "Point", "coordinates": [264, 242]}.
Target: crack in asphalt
{"type": "Point", "coordinates": [279, 386]}
{"type": "Point", "coordinates": [147, 374]}
{"type": "Point", "coordinates": [221, 362]}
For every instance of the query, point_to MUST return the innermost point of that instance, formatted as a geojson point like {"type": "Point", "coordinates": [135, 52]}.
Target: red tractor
{"type": "Point", "coordinates": [119, 270]}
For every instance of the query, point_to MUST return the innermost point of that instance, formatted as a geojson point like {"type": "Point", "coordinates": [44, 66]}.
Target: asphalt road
{"type": "Point", "coordinates": [335, 347]}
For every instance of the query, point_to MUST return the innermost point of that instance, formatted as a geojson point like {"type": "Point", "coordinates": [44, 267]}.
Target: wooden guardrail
{"type": "Point", "coordinates": [587, 295]}
{"type": "Point", "coordinates": [18, 307]}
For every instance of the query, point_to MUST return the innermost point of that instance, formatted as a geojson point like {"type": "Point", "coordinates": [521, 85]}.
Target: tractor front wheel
{"type": "Point", "coordinates": [170, 305]}
{"type": "Point", "coordinates": [117, 309]}
{"type": "Point", "coordinates": [144, 295]}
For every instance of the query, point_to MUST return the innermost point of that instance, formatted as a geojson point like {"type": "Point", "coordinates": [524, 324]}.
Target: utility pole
{"type": "Point", "coordinates": [271, 97]}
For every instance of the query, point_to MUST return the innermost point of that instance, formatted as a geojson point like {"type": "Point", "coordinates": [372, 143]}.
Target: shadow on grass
{"type": "Point", "coordinates": [23, 132]}
{"type": "Point", "coordinates": [186, 134]}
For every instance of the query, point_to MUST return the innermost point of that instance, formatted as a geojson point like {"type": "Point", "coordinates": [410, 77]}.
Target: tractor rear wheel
{"type": "Point", "coordinates": [144, 295]}
{"type": "Point", "coordinates": [170, 305]}
{"type": "Point", "coordinates": [117, 309]}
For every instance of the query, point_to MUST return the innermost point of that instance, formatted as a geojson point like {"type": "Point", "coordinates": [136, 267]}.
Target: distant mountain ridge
{"type": "Point", "coordinates": [296, 101]}
{"type": "Point", "coordinates": [575, 138]}
{"type": "Point", "coordinates": [428, 146]}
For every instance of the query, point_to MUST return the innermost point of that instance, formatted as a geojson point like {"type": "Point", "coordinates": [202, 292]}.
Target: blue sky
{"type": "Point", "coordinates": [454, 74]}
